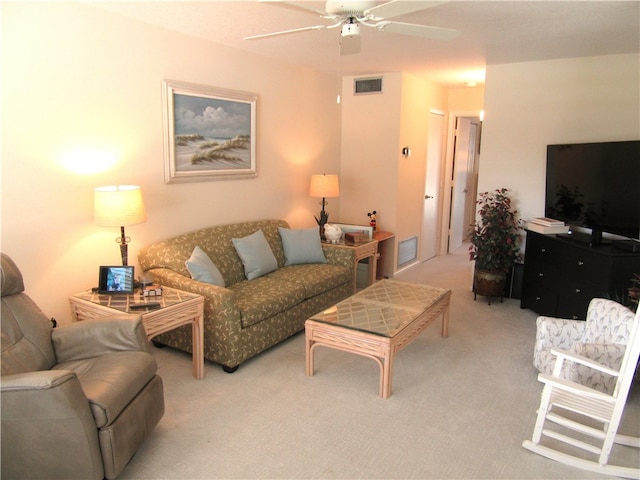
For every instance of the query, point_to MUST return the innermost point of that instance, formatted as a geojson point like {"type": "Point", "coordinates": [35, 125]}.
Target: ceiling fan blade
{"type": "Point", "coordinates": [349, 45]}
{"type": "Point", "coordinates": [285, 32]}
{"type": "Point", "coordinates": [425, 31]}
{"type": "Point", "coordinates": [299, 6]}
{"type": "Point", "coordinates": [395, 8]}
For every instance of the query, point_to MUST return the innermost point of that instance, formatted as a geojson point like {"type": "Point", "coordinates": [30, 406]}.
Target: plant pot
{"type": "Point", "coordinates": [489, 284]}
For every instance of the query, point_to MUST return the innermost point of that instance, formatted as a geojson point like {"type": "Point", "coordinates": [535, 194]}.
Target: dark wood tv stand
{"type": "Point", "coordinates": [561, 275]}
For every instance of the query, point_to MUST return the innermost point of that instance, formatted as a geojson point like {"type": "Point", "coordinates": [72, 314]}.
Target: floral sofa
{"type": "Point", "coordinates": [244, 317]}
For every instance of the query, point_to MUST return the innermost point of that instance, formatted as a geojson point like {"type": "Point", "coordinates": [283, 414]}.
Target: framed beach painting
{"type": "Point", "coordinates": [209, 133]}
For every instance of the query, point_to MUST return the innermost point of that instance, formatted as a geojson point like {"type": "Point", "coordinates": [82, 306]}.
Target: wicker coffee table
{"type": "Point", "coordinates": [377, 323]}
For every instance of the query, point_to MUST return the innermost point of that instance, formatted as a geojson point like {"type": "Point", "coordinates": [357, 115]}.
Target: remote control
{"type": "Point", "coordinates": [140, 306]}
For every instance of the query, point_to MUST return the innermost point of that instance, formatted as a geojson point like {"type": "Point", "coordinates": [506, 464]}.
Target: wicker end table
{"type": "Point", "coordinates": [176, 308]}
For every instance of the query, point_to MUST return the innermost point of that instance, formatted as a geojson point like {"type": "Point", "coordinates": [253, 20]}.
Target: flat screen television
{"type": "Point", "coordinates": [596, 186]}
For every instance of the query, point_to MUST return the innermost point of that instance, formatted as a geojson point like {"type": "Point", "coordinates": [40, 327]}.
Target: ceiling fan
{"type": "Point", "coordinates": [349, 15]}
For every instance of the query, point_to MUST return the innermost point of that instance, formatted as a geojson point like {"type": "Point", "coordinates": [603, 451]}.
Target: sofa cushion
{"type": "Point", "coordinates": [301, 246]}
{"type": "Point", "coordinates": [256, 255]}
{"type": "Point", "coordinates": [314, 278]}
{"type": "Point", "coordinates": [111, 381]}
{"type": "Point", "coordinates": [217, 243]}
{"type": "Point", "coordinates": [265, 297]}
{"type": "Point", "coordinates": [201, 268]}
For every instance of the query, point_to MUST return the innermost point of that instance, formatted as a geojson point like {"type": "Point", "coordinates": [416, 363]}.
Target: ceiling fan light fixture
{"type": "Point", "coordinates": [350, 30]}
{"type": "Point", "coordinates": [348, 7]}
{"type": "Point", "coordinates": [350, 14]}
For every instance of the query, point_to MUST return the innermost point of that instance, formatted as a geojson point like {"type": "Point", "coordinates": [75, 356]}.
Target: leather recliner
{"type": "Point", "coordinates": [77, 400]}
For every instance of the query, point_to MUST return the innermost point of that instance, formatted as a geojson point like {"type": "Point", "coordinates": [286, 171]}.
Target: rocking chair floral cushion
{"type": "Point", "coordinates": [602, 338]}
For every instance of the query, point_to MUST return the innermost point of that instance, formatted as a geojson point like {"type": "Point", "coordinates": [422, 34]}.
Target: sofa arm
{"type": "Point", "coordinates": [339, 255]}
{"type": "Point", "coordinates": [168, 278]}
{"type": "Point", "coordinates": [557, 333]}
{"type": "Point", "coordinates": [219, 302]}
{"type": "Point", "coordinates": [93, 338]}
{"type": "Point", "coordinates": [45, 416]}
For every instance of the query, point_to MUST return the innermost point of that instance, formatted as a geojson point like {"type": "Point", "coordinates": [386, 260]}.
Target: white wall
{"type": "Point", "coordinates": [418, 97]}
{"type": "Point", "coordinates": [369, 166]}
{"type": "Point", "coordinates": [374, 173]}
{"type": "Point", "coordinates": [77, 79]}
{"type": "Point", "coordinates": [530, 105]}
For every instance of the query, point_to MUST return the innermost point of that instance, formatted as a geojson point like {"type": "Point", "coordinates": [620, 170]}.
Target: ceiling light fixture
{"type": "Point", "coordinates": [350, 29]}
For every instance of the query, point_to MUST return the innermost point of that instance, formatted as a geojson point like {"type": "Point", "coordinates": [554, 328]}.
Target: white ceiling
{"type": "Point", "coordinates": [493, 32]}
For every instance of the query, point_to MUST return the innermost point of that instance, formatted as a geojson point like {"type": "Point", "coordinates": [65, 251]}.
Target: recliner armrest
{"type": "Point", "coordinates": [39, 380]}
{"type": "Point", "coordinates": [93, 338]}
{"type": "Point", "coordinates": [47, 427]}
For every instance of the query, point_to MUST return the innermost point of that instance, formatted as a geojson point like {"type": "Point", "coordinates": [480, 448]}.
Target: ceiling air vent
{"type": "Point", "coordinates": [363, 86]}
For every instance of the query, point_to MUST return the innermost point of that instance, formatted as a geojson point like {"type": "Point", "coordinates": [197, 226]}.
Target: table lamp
{"type": "Point", "coordinates": [119, 206]}
{"type": "Point", "coordinates": [324, 186]}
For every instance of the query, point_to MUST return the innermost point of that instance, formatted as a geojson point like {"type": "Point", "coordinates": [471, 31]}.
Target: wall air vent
{"type": "Point", "coordinates": [365, 86]}
{"type": "Point", "coordinates": [407, 251]}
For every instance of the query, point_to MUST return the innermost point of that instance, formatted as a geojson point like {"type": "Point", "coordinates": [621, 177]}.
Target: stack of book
{"type": "Point", "coordinates": [547, 226]}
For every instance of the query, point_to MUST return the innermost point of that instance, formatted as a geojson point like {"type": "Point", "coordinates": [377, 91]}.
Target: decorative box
{"type": "Point", "coordinates": [355, 237]}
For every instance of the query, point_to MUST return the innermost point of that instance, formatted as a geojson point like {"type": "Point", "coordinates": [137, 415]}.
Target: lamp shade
{"type": "Point", "coordinates": [324, 186]}
{"type": "Point", "coordinates": [118, 206]}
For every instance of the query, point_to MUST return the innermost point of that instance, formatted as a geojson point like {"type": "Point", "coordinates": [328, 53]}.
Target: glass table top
{"type": "Point", "coordinates": [123, 302]}
{"type": "Point", "coordinates": [384, 308]}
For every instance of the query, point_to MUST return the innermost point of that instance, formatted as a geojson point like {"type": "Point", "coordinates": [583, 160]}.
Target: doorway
{"type": "Point", "coordinates": [433, 191]}
{"type": "Point", "coordinates": [461, 179]}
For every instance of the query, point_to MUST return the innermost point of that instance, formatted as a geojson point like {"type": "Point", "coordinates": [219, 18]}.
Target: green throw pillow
{"type": "Point", "coordinates": [301, 246]}
{"type": "Point", "coordinates": [256, 255]}
{"type": "Point", "coordinates": [201, 268]}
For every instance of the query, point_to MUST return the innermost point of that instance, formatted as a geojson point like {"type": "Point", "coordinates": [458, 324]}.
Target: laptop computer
{"type": "Point", "coordinates": [116, 279]}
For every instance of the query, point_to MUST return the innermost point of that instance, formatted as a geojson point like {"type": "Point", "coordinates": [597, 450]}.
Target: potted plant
{"type": "Point", "coordinates": [495, 242]}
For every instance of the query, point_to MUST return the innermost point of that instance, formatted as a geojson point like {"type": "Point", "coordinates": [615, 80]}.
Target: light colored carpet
{"type": "Point", "coordinates": [460, 406]}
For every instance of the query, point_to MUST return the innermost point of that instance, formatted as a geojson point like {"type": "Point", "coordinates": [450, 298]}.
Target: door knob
{"type": "Point", "coordinates": [427, 197]}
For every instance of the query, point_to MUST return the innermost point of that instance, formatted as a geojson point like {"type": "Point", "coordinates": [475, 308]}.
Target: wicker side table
{"type": "Point", "coordinates": [176, 308]}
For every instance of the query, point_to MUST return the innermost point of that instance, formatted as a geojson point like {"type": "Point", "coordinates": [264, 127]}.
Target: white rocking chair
{"type": "Point", "coordinates": [587, 414]}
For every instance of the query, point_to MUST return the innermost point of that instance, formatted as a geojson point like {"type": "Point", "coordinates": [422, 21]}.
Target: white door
{"type": "Point", "coordinates": [429, 238]}
{"type": "Point", "coordinates": [463, 156]}
{"type": "Point", "coordinates": [472, 180]}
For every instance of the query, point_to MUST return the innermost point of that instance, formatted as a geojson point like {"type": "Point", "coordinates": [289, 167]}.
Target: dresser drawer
{"type": "Point", "coordinates": [542, 300]}
{"type": "Point", "coordinates": [574, 297]}
{"type": "Point", "coordinates": [580, 263]}
{"type": "Point", "coordinates": [543, 249]}
{"type": "Point", "coordinates": [541, 273]}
